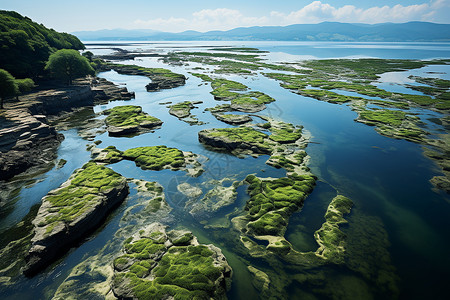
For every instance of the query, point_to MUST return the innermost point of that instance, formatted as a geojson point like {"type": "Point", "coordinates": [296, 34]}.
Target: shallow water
{"type": "Point", "coordinates": [387, 179]}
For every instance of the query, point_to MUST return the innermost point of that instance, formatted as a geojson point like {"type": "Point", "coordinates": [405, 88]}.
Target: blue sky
{"type": "Point", "coordinates": [176, 16]}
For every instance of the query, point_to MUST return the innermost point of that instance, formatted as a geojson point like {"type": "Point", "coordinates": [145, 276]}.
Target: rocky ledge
{"type": "Point", "coordinates": [72, 211]}
{"type": "Point", "coordinates": [105, 91]}
{"type": "Point", "coordinates": [129, 119]}
{"type": "Point", "coordinates": [156, 264]}
{"type": "Point", "coordinates": [26, 138]}
{"type": "Point", "coordinates": [161, 78]}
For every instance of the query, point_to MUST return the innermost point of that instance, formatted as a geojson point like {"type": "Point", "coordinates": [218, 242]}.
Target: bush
{"type": "Point", "coordinates": [8, 86]}
{"type": "Point", "coordinates": [68, 64]}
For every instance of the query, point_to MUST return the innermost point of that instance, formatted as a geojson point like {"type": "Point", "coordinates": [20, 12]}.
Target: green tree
{"type": "Point", "coordinates": [88, 54]}
{"type": "Point", "coordinates": [68, 64]}
{"type": "Point", "coordinates": [8, 86]}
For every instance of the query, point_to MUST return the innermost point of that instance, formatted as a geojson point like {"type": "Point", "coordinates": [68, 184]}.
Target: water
{"type": "Point", "coordinates": [398, 222]}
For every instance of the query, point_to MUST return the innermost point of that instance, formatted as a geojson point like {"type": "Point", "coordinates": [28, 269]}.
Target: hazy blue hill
{"type": "Point", "coordinates": [25, 45]}
{"type": "Point", "coordinates": [326, 31]}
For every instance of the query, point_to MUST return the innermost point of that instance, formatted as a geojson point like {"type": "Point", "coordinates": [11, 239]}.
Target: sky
{"type": "Point", "coordinates": [205, 15]}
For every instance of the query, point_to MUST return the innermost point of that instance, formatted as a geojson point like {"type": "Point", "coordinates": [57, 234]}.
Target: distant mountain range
{"type": "Point", "coordinates": [326, 31]}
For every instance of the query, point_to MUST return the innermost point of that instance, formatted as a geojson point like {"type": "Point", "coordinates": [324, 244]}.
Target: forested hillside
{"type": "Point", "coordinates": [25, 46]}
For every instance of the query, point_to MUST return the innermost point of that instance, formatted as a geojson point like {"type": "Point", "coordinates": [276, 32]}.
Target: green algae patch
{"type": "Point", "coordinates": [181, 110]}
{"type": "Point", "coordinates": [273, 201]}
{"type": "Point", "coordinates": [251, 102]}
{"type": "Point", "coordinates": [328, 96]}
{"type": "Point", "coordinates": [222, 89]}
{"type": "Point", "coordinates": [156, 264]}
{"type": "Point", "coordinates": [366, 68]}
{"type": "Point", "coordinates": [122, 120]}
{"type": "Point", "coordinates": [285, 144]}
{"type": "Point", "coordinates": [330, 238]}
{"type": "Point", "coordinates": [239, 138]}
{"type": "Point", "coordinates": [228, 84]}
{"type": "Point", "coordinates": [70, 202]}
{"type": "Point", "coordinates": [286, 133]}
{"type": "Point", "coordinates": [232, 118]}
{"type": "Point", "coordinates": [156, 157]}
{"type": "Point", "coordinates": [152, 158]}
{"type": "Point", "coordinates": [203, 77]}
{"type": "Point", "coordinates": [390, 117]}
{"type": "Point", "coordinates": [161, 78]}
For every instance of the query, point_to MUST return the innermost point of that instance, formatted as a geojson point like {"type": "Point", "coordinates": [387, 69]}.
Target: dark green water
{"type": "Point", "coordinates": [398, 231]}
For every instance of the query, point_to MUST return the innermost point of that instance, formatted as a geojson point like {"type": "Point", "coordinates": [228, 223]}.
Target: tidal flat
{"type": "Point", "coordinates": [258, 178]}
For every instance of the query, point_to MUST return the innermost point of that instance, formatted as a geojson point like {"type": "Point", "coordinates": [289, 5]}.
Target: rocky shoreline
{"type": "Point", "coordinates": [28, 141]}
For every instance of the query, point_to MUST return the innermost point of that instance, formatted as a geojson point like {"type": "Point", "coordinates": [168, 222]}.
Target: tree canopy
{"type": "Point", "coordinates": [68, 64]}
{"type": "Point", "coordinates": [25, 46]}
{"type": "Point", "coordinates": [8, 86]}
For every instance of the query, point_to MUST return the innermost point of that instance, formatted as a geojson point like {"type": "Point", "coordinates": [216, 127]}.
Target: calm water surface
{"type": "Point", "coordinates": [387, 179]}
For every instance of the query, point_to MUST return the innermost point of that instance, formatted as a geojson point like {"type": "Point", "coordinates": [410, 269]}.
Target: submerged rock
{"type": "Point", "coordinates": [217, 197]}
{"type": "Point", "coordinates": [182, 111]}
{"type": "Point", "coordinates": [330, 238]}
{"type": "Point", "coordinates": [285, 144]}
{"type": "Point", "coordinates": [156, 264]}
{"type": "Point", "coordinates": [70, 212]}
{"type": "Point", "coordinates": [91, 279]}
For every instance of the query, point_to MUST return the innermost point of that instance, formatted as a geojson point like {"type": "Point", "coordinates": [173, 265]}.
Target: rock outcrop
{"type": "Point", "coordinates": [236, 139]}
{"type": "Point", "coordinates": [156, 264]}
{"type": "Point", "coordinates": [161, 78]}
{"type": "Point", "coordinates": [153, 158]}
{"type": "Point", "coordinates": [72, 211]}
{"type": "Point", "coordinates": [26, 138]}
{"type": "Point", "coordinates": [129, 119]}
{"type": "Point", "coordinates": [232, 118]}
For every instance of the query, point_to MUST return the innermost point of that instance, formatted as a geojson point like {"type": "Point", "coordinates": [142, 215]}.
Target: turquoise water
{"type": "Point", "coordinates": [387, 179]}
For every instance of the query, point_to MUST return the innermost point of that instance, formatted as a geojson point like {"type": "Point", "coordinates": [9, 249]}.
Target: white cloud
{"type": "Point", "coordinates": [318, 12]}
{"type": "Point", "coordinates": [315, 12]}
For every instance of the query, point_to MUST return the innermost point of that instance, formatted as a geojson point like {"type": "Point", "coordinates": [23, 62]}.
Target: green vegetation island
{"type": "Point", "coordinates": [197, 177]}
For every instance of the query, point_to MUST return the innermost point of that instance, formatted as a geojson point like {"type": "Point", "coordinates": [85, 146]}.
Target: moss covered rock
{"type": "Point", "coordinates": [181, 110]}
{"type": "Point", "coordinates": [330, 238]}
{"type": "Point", "coordinates": [161, 78]}
{"type": "Point", "coordinates": [70, 212]}
{"type": "Point", "coordinates": [272, 201]}
{"type": "Point", "coordinates": [156, 157]}
{"type": "Point", "coordinates": [127, 119]}
{"type": "Point", "coordinates": [152, 158]}
{"type": "Point", "coordinates": [232, 118]}
{"type": "Point", "coordinates": [156, 264]}
{"type": "Point", "coordinates": [240, 138]}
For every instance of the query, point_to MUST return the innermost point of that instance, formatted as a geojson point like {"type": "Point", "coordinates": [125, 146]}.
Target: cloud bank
{"type": "Point", "coordinates": [315, 12]}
